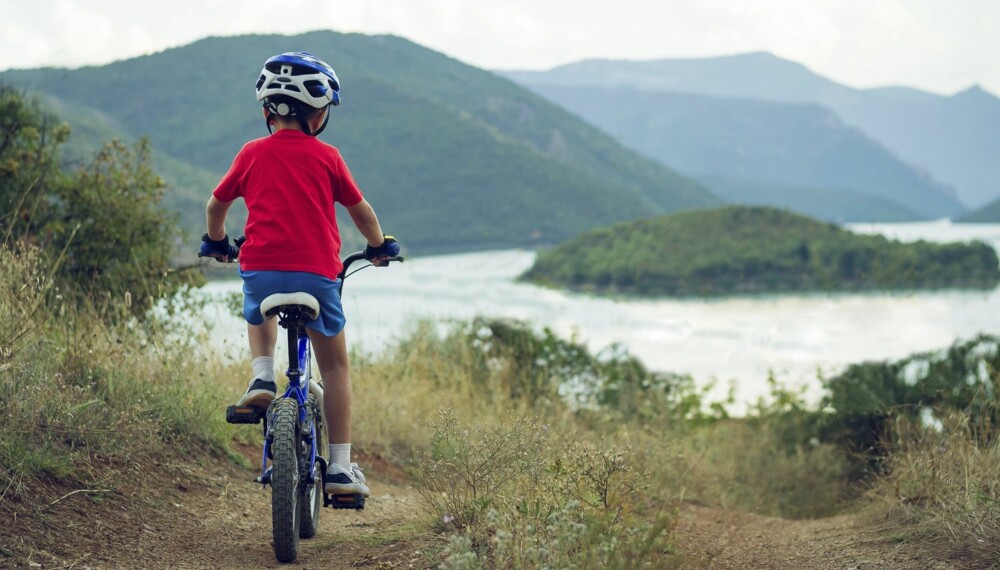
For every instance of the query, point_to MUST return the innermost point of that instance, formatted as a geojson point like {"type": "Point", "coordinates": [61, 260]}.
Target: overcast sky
{"type": "Point", "coordinates": [942, 46]}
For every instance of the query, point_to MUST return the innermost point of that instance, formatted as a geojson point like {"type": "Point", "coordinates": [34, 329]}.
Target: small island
{"type": "Point", "coordinates": [755, 250]}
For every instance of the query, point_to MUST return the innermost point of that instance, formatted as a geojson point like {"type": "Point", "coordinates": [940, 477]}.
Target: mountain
{"type": "Point", "coordinates": [834, 205]}
{"type": "Point", "coordinates": [757, 75]}
{"type": "Point", "coordinates": [951, 138]}
{"type": "Point", "coordinates": [954, 138]}
{"type": "Point", "coordinates": [451, 156]}
{"type": "Point", "coordinates": [764, 146]}
{"type": "Point", "coordinates": [988, 214]}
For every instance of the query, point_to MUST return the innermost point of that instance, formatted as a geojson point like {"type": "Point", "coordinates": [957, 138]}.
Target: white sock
{"type": "Point", "coordinates": [340, 453]}
{"type": "Point", "coordinates": [263, 368]}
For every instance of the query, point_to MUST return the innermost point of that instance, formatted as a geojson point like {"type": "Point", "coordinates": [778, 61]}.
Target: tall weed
{"type": "Point", "coordinates": [522, 498]}
{"type": "Point", "coordinates": [942, 485]}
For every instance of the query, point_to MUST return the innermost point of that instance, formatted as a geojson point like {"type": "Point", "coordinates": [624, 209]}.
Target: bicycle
{"type": "Point", "coordinates": [294, 427]}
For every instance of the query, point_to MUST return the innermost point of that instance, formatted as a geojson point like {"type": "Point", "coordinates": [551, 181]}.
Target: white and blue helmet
{"type": "Point", "coordinates": [301, 76]}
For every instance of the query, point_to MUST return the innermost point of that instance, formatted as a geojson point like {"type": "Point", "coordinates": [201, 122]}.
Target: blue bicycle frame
{"type": "Point", "coordinates": [299, 375]}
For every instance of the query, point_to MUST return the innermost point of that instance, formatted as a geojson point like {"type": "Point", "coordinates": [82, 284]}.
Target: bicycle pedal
{"type": "Point", "coordinates": [356, 502]}
{"type": "Point", "coordinates": [244, 415]}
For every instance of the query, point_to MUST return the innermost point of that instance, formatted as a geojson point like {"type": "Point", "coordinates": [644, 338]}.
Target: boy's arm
{"type": "Point", "coordinates": [364, 219]}
{"type": "Point", "coordinates": [215, 217]}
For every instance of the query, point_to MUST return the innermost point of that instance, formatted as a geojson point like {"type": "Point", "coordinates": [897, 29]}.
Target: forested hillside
{"type": "Point", "coordinates": [452, 157]}
{"type": "Point", "coordinates": [739, 250]}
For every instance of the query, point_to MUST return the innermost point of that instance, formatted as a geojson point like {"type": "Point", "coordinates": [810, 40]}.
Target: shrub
{"type": "Point", "coordinates": [102, 221]}
{"type": "Point", "coordinates": [517, 499]}
{"type": "Point", "coordinates": [863, 402]}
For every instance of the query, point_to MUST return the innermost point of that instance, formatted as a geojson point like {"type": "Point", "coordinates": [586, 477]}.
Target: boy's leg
{"type": "Point", "coordinates": [343, 476]}
{"type": "Point", "coordinates": [263, 386]}
{"type": "Point", "coordinates": [262, 338]}
{"type": "Point", "coordinates": [331, 355]}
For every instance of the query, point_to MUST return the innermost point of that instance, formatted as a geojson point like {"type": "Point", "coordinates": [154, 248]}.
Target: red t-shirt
{"type": "Point", "coordinates": [290, 181]}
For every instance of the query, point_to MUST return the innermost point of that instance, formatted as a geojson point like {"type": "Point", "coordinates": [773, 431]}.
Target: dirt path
{"type": "Point", "coordinates": [712, 538]}
{"type": "Point", "coordinates": [212, 517]}
{"type": "Point", "coordinates": [229, 527]}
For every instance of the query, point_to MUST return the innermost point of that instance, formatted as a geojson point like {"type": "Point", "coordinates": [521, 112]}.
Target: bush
{"type": "Point", "coordinates": [517, 499]}
{"type": "Point", "coordinates": [101, 226]}
{"type": "Point", "coordinates": [863, 402]}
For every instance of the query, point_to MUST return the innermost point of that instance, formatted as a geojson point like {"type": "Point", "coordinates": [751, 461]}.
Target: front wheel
{"type": "Point", "coordinates": [285, 514]}
{"type": "Point", "coordinates": [311, 496]}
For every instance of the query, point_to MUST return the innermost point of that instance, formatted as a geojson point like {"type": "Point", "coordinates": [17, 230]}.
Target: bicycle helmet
{"type": "Point", "coordinates": [296, 84]}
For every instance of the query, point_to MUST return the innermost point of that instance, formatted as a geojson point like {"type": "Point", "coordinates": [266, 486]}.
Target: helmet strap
{"type": "Point", "coordinates": [304, 123]}
{"type": "Point", "coordinates": [326, 120]}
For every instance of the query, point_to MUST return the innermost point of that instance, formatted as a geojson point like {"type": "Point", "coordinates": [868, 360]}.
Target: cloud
{"type": "Point", "coordinates": [926, 43]}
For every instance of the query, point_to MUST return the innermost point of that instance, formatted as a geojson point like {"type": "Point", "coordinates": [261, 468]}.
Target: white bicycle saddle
{"type": "Point", "coordinates": [271, 304]}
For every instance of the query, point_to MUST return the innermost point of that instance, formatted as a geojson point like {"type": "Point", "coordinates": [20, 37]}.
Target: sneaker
{"type": "Point", "coordinates": [259, 394]}
{"type": "Point", "coordinates": [340, 481]}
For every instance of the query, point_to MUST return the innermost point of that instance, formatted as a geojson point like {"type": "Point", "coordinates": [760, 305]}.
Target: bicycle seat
{"type": "Point", "coordinates": [272, 304]}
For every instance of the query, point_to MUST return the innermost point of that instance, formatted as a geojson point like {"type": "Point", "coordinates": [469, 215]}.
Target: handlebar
{"type": "Point", "coordinates": [348, 261]}
{"type": "Point", "coordinates": [360, 256]}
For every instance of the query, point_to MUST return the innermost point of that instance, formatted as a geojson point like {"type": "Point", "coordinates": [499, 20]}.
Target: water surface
{"type": "Point", "coordinates": [736, 341]}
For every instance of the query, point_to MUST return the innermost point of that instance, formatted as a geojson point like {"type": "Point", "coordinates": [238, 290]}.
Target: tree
{"type": "Point", "coordinates": [102, 223]}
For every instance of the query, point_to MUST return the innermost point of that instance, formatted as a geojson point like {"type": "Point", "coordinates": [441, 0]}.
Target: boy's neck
{"type": "Point", "coordinates": [286, 126]}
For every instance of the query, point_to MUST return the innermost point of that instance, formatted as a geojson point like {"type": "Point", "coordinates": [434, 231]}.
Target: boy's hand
{"type": "Point", "coordinates": [221, 249]}
{"type": "Point", "coordinates": [379, 255]}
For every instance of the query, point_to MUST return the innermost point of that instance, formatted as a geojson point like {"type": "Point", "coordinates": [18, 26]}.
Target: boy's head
{"type": "Point", "coordinates": [297, 86]}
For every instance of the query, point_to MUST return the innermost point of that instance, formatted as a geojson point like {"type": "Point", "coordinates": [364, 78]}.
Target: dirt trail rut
{"type": "Point", "coordinates": [712, 538]}
{"type": "Point", "coordinates": [232, 529]}
{"type": "Point", "coordinates": [215, 518]}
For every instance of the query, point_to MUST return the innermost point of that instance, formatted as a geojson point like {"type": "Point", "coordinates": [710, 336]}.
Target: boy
{"type": "Point", "coordinates": [285, 178]}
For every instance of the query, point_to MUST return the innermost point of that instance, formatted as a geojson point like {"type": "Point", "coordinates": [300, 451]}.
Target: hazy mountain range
{"type": "Point", "coordinates": [452, 157]}
{"type": "Point", "coordinates": [459, 158]}
{"type": "Point", "coordinates": [769, 120]}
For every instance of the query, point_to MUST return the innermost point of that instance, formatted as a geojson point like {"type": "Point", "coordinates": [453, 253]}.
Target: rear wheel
{"type": "Point", "coordinates": [285, 513]}
{"type": "Point", "coordinates": [311, 495]}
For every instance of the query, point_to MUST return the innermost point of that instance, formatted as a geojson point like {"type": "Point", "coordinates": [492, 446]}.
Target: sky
{"type": "Point", "coordinates": [942, 46]}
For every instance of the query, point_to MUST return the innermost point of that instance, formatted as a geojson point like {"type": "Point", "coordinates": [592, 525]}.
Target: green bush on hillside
{"type": "Point", "coordinates": [736, 250]}
{"type": "Point", "coordinates": [100, 227]}
{"type": "Point", "coordinates": [863, 402]}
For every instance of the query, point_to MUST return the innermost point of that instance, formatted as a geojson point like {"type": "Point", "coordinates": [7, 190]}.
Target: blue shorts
{"type": "Point", "coordinates": [258, 285]}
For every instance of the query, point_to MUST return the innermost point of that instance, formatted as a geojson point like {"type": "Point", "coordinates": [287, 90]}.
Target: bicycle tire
{"type": "Point", "coordinates": [311, 496]}
{"type": "Point", "coordinates": [285, 514]}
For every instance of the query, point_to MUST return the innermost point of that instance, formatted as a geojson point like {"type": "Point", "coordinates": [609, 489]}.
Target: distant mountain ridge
{"type": "Point", "coordinates": [785, 144]}
{"type": "Point", "coordinates": [453, 157]}
{"type": "Point", "coordinates": [951, 138]}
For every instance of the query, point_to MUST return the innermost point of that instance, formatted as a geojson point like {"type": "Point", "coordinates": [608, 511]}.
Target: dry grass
{"type": "Point", "coordinates": [513, 473]}
{"type": "Point", "coordinates": [942, 490]}
{"type": "Point", "coordinates": [82, 398]}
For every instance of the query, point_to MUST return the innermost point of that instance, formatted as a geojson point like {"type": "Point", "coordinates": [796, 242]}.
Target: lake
{"type": "Point", "coordinates": [731, 341]}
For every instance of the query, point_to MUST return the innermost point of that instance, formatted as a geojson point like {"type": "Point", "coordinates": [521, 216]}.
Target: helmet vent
{"type": "Point", "coordinates": [315, 88]}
